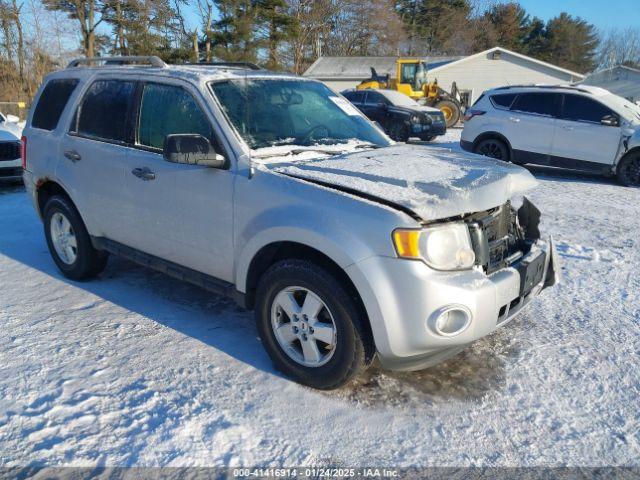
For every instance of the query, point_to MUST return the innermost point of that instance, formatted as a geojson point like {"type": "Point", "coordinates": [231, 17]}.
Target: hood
{"type": "Point", "coordinates": [433, 183]}
{"type": "Point", "coordinates": [10, 131]}
{"type": "Point", "coordinates": [427, 109]}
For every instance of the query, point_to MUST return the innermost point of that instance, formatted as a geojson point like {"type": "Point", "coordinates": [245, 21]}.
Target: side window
{"type": "Point", "coordinates": [503, 100]}
{"type": "Point", "coordinates": [538, 103]}
{"type": "Point", "coordinates": [105, 109]}
{"type": "Point", "coordinates": [581, 109]}
{"type": "Point", "coordinates": [355, 97]}
{"type": "Point", "coordinates": [166, 110]}
{"type": "Point", "coordinates": [52, 102]}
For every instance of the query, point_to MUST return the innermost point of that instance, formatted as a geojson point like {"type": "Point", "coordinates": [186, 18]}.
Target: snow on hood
{"type": "Point", "coordinates": [10, 131]}
{"type": "Point", "coordinates": [427, 109]}
{"type": "Point", "coordinates": [434, 183]}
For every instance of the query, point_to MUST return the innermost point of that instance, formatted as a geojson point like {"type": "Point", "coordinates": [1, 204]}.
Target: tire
{"type": "Point", "coordinates": [451, 111]}
{"type": "Point", "coordinates": [74, 256]}
{"type": "Point", "coordinates": [492, 148]}
{"type": "Point", "coordinates": [334, 364]}
{"type": "Point", "coordinates": [399, 132]}
{"type": "Point", "coordinates": [628, 171]}
{"type": "Point", "coordinates": [428, 138]}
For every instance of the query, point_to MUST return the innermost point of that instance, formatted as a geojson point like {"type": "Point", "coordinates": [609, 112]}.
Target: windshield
{"type": "Point", "coordinates": [399, 99]}
{"type": "Point", "coordinates": [624, 107]}
{"type": "Point", "coordinates": [273, 112]}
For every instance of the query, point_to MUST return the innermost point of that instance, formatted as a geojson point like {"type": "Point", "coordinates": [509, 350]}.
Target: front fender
{"type": "Point", "coordinates": [298, 225]}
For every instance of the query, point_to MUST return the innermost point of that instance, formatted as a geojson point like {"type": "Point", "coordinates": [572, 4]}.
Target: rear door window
{"type": "Point", "coordinates": [581, 109]}
{"type": "Point", "coordinates": [375, 98]}
{"type": "Point", "coordinates": [504, 100]}
{"type": "Point", "coordinates": [167, 110]}
{"type": "Point", "coordinates": [105, 110]}
{"type": "Point", "coordinates": [52, 101]}
{"type": "Point", "coordinates": [538, 103]}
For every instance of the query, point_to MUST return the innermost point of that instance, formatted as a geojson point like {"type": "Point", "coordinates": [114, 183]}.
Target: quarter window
{"type": "Point", "coordinates": [105, 110]}
{"type": "Point", "coordinates": [581, 109]}
{"type": "Point", "coordinates": [167, 110]}
{"type": "Point", "coordinates": [52, 102]}
{"type": "Point", "coordinates": [503, 100]}
{"type": "Point", "coordinates": [537, 103]}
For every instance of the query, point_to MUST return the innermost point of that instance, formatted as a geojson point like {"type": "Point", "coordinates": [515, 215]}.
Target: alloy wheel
{"type": "Point", "coordinates": [491, 149]}
{"type": "Point", "coordinates": [303, 326]}
{"type": "Point", "coordinates": [64, 238]}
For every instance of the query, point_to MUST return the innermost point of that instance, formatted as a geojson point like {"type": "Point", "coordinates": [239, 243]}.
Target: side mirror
{"type": "Point", "coordinates": [383, 106]}
{"type": "Point", "coordinates": [191, 149]}
{"type": "Point", "coordinates": [610, 121]}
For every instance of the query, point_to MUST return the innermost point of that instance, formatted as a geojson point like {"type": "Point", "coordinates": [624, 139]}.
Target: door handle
{"type": "Point", "coordinates": [514, 119]}
{"type": "Point", "coordinates": [144, 173]}
{"type": "Point", "coordinates": [73, 155]}
{"type": "Point", "coordinates": [567, 127]}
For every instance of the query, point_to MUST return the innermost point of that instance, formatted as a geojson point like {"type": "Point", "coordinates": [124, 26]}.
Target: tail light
{"type": "Point", "coordinates": [473, 113]}
{"type": "Point", "coordinates": [23, 152]}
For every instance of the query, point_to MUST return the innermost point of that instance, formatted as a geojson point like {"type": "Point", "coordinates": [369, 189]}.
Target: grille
{"type": "Point", "coordinates": [9, 151]}
{"type": "Point", "coordinates": [496, 238]}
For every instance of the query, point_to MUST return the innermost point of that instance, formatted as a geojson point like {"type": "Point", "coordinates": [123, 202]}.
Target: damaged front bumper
{"type": "Point", "coordinates": [407, 301]}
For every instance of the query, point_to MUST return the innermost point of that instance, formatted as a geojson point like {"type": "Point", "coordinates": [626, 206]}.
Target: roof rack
{"type": "Point", "coordinates": [152, 61]}
{"type": "Point", "coordinates": [246, 65]}
{"type": "Point", "coordinates": [532, 85]}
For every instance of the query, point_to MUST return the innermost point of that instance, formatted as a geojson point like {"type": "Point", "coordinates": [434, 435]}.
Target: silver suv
{"type": "Point", "coordinates": [278, 192]}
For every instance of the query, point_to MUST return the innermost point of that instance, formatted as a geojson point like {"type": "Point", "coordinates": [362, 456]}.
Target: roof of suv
{"type": "Point", "coordinates": [156, 67]}
{"type": "Point", "coordinates": [596, 91]}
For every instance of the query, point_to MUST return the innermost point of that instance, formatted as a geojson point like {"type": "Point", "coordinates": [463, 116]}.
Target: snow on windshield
{"type": "Point", "coordinates": [289, 112]}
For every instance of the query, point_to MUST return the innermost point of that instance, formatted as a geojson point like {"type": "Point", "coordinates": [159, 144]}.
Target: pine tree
{"type": "Point", "coordinates": [571, 43]}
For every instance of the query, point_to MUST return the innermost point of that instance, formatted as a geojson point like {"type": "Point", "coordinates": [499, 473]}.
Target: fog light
{"type": "Point", "coordinates": [451, 321]}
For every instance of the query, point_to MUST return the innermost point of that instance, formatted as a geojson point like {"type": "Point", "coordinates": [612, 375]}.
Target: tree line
{"type": "Point", "coordinates": [289, 34]}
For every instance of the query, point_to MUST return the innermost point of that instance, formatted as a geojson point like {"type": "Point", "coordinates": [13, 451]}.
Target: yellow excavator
{"type": "Point", "coordinates": [411, 79]}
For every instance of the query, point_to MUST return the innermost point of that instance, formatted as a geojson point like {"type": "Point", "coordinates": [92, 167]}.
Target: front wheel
{"type": "Point", "coordinates": [69, 242]}
{"type": "Point", "coordinates": [309, 325]}
{"type": "Point", "coordinates": [628, 172]}
{"type": "Point", "coordinates": [399, 132]}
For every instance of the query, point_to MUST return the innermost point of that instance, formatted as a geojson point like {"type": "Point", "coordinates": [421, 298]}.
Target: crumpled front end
{"type": "Point", "coordinates": [420, 316]}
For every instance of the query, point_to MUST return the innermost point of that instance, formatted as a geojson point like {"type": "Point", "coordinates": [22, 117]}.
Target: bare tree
{"type": "Point", "coordinates": [89, 16]}
{"type": "Point", "coordinates": [619, 47]}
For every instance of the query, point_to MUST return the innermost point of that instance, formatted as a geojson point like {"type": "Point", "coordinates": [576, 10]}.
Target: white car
{"type": "Point", "coordinates": [10, 163]}
{"type": "Point", "coordinates": [576, 127]}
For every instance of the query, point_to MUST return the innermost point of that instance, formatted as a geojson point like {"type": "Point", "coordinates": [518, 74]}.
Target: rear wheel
{"type": "Point", "coordinates": [629, 170]}
{"type": "Point", "coordinates": [69, 242]}
{"type": "Point", "coordinates": [309, 325]}
{"type": "Point", "coordinates": [493, 148]}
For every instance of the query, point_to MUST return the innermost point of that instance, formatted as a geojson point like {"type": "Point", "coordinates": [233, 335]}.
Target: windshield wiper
{"type": "Point", "coordinates": [318, 150]}
{"type": "Point", "coordinates": [298, 151]}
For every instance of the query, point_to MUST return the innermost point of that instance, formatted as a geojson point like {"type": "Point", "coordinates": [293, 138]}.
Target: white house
{"type": "Point", "coordinates": [474, 74]}
{"type": "Point", "coordinates": [621, 80]}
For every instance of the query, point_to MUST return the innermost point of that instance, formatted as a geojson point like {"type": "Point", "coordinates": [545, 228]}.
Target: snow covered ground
{"type": "Point", "coordinates": [136, 368]}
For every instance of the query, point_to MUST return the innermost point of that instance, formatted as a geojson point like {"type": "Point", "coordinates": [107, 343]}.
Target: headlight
{"type": "Point", "coordinates": [442, 247]}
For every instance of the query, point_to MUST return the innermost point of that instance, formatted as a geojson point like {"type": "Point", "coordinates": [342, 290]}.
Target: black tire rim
{"type": "Point", "coordinates": [491, 149]}
{"type": "Point", "coordinates": [631, 171]}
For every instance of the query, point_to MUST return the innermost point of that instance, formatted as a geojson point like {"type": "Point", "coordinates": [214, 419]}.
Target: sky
{"type": "Point", "coordinates": [603, 14]}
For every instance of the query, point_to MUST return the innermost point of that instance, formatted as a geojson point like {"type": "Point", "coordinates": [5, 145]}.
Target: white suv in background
{"type": "Point", "coordinates": [581, 128]}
